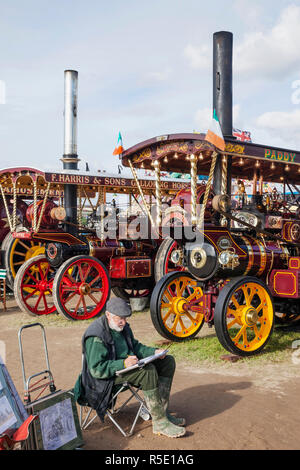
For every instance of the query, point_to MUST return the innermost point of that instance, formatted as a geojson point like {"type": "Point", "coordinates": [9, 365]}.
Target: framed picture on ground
{"type": "Point", "coordinates": [57, 426]}
{"type": "Point", "coordinates": [12, 410]}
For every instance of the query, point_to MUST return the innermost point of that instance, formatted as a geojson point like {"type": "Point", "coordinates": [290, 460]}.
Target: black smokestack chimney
{"type": "Point", "coordinates": [222, 79]}
{"type": "Point", "coordinates": [70, 158]}
{"type": "Point", "coordinates": [222, 97]}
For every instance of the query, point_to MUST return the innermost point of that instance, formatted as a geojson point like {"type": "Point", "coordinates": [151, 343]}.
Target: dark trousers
{"type": "Point", "coordinates": [147, 377]}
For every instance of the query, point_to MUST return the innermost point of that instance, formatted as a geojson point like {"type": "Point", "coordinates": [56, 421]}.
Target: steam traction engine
{"type": "Point", "coordinates": [239, 258]}
{"type": "Point", "coordinates": [68, 267]}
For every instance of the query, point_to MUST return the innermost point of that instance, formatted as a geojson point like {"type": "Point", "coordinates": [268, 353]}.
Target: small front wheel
{"type": "Point", "coordinates": [33, 286]}
{"type": "Point", "coordinates": [176, 307]}
{"type": "Point", "coordinates": [81, 288]}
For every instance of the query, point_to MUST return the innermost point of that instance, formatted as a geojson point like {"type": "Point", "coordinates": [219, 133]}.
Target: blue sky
{"type": "Point", "coordinates": [145, 69]}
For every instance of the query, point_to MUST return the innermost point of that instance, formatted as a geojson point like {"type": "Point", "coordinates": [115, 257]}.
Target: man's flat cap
{"type": "Point", "coordinates": [119, 307]}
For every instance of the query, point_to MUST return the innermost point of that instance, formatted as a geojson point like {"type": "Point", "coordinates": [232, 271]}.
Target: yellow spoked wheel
{"type": "Point", "coordinates": [17, 252]}
{"type": "Point", "coordinates": [177, 307]}
{"type": "Point", "coordinates": [244, 316]}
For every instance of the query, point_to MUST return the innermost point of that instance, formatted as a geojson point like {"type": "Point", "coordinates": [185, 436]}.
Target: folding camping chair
{"type": "Point", "coordinates": [112, 410]}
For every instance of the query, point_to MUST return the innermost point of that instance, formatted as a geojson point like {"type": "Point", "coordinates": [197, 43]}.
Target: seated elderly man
{"type": "Point", "coordinates": [108, 346]}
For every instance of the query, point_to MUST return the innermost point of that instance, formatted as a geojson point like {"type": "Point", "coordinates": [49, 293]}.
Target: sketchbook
{"type": "Point", "coordinates": [142, 362]}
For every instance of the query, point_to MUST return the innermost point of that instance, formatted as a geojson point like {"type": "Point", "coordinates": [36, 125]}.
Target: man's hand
{"type": "Point", "coordinates": [130, 361]}
{"type": "Point", "coordinates": [157, 351]}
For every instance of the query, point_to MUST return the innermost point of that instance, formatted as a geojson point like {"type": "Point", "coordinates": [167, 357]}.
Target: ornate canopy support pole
{"type": "Point", "coordinates": [157, 192]}
{"type": "Point", "coordinates": [141, 193]}
{"type": "Point", "coordinates": [101, 201]}
{"type": "Point", "coordinates": [80, 207]}
{"type": "Point", "coordinates": [43, 207]}
{"type": "Point", "coordinates": [224, 175]}
{"type": "Point", "coordinates": [224, 186]}
{"type": "Point", "coordinates": [193, 160]}
{"type": "Point", "coordinates": [6, 209]}
{"type": "Point", "coordinates": [34, 204]}
{"type": "Point", "coordinates": [207, 189]}
{"type": "Point", "coordinates": [14, 221]}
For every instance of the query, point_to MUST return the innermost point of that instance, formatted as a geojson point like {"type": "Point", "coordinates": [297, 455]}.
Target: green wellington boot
{"type": "Point", "coordinates": [160, 423]}
{"type": "Point", "coordinates": [164, 387]}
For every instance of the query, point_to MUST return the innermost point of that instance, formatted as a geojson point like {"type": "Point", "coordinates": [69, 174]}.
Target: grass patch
{"type": "Point", "coordinates": [207, 350]}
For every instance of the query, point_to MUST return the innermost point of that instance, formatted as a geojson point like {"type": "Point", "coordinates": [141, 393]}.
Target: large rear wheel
{"type": "Point", "coordinates": [81, 288]}
{"type": "Point", "coordinates": [16, 253]}
{"type": "Point", "coordinates": [177, 307]}
{"type": "Point", "coordinates": [244, 316]}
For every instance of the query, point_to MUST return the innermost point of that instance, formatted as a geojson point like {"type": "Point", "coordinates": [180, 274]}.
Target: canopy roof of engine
{"type": "Point", "coordinates": [24, 177]}
{"type": "Point", "coordinates": [173, 152]}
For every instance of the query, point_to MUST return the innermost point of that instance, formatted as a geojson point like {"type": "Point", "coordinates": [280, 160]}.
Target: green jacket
{"type": "Point", "coordinates": [104, 351]}
{"type": "Point", "coordinates": [100, 366]}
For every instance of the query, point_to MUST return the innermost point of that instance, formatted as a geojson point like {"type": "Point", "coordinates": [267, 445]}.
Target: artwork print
{"type": "Point", "coordinates": [57, 425]}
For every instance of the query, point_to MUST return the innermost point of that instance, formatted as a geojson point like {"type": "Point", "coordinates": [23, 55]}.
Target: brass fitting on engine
{"type": "Point", "coordinates": [228, 259]}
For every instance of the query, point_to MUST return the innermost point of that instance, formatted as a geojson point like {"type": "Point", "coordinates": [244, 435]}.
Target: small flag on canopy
{"type": "Point", "coordinates": [119, 148]}
{"type": "Point", "coordinates": [244, 136]}
{"type": "Point", "coordinates": [214, 134]}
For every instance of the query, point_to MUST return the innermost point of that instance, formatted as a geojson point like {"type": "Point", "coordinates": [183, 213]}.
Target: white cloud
{"type": "Point", "coordinates": [284, 125]}
{"type": "Point", "coordinates": [198, 56]}
{"type": "Point", "coordinates": [274, 53]}
{"type": "Point", "coordinates": [156, 78]}
{"type": "Point", "coordinates": [250, 13]}
{"type": "Point", "coordinates": [161, 75]}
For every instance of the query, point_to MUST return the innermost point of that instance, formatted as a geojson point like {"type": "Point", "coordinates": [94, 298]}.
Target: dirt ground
{"type": "Point", "coordinates": [229, 406]}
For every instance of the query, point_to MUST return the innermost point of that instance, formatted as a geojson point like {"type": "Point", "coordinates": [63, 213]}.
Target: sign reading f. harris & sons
{"type": "Point", "coordinates": [112, 181]}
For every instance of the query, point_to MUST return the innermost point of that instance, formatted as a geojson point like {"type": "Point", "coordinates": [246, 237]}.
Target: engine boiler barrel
{"type": "Point", "coordinates": [260, 257]}
{"type": "Point", "coordinates": [47, 220]}
{"type": "Point", "coordinates": [242, 256]}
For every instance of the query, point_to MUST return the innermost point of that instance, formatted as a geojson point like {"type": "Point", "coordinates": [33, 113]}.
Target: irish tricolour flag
{"type": "Point", "coordinates": [214, 134]}
{"type": "Point", "coordinates": [119, 148]}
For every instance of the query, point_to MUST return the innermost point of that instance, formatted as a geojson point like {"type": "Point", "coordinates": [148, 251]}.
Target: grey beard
{"type": "Point", "coordinates": [113, 326]}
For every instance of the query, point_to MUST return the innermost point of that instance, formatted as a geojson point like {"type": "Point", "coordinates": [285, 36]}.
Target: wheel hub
{"type": "Point", "coordinates": [85, 289]}
{"type": "Point", "coordinates": [251, 316]}
{"type": "Point", "coordinates": [34, 251]}
{"type": "Point", "coordinates": [178, 305]}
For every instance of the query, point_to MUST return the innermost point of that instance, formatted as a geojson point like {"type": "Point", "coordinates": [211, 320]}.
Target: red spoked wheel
{"type": "Point", "coordinates": [33, 287]}
{"type": "Point", "coordinates": [81, 288]}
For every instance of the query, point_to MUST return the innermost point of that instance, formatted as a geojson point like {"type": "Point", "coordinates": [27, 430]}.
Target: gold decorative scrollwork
{"type": "Point", "coordinates": [240, 149]}
{"type": "Point", "coordinates": [142, 155]}
{"type": "Point", "coordinates": [172, 147]}
{"type": "Point", "coordinates": [183, 147]}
